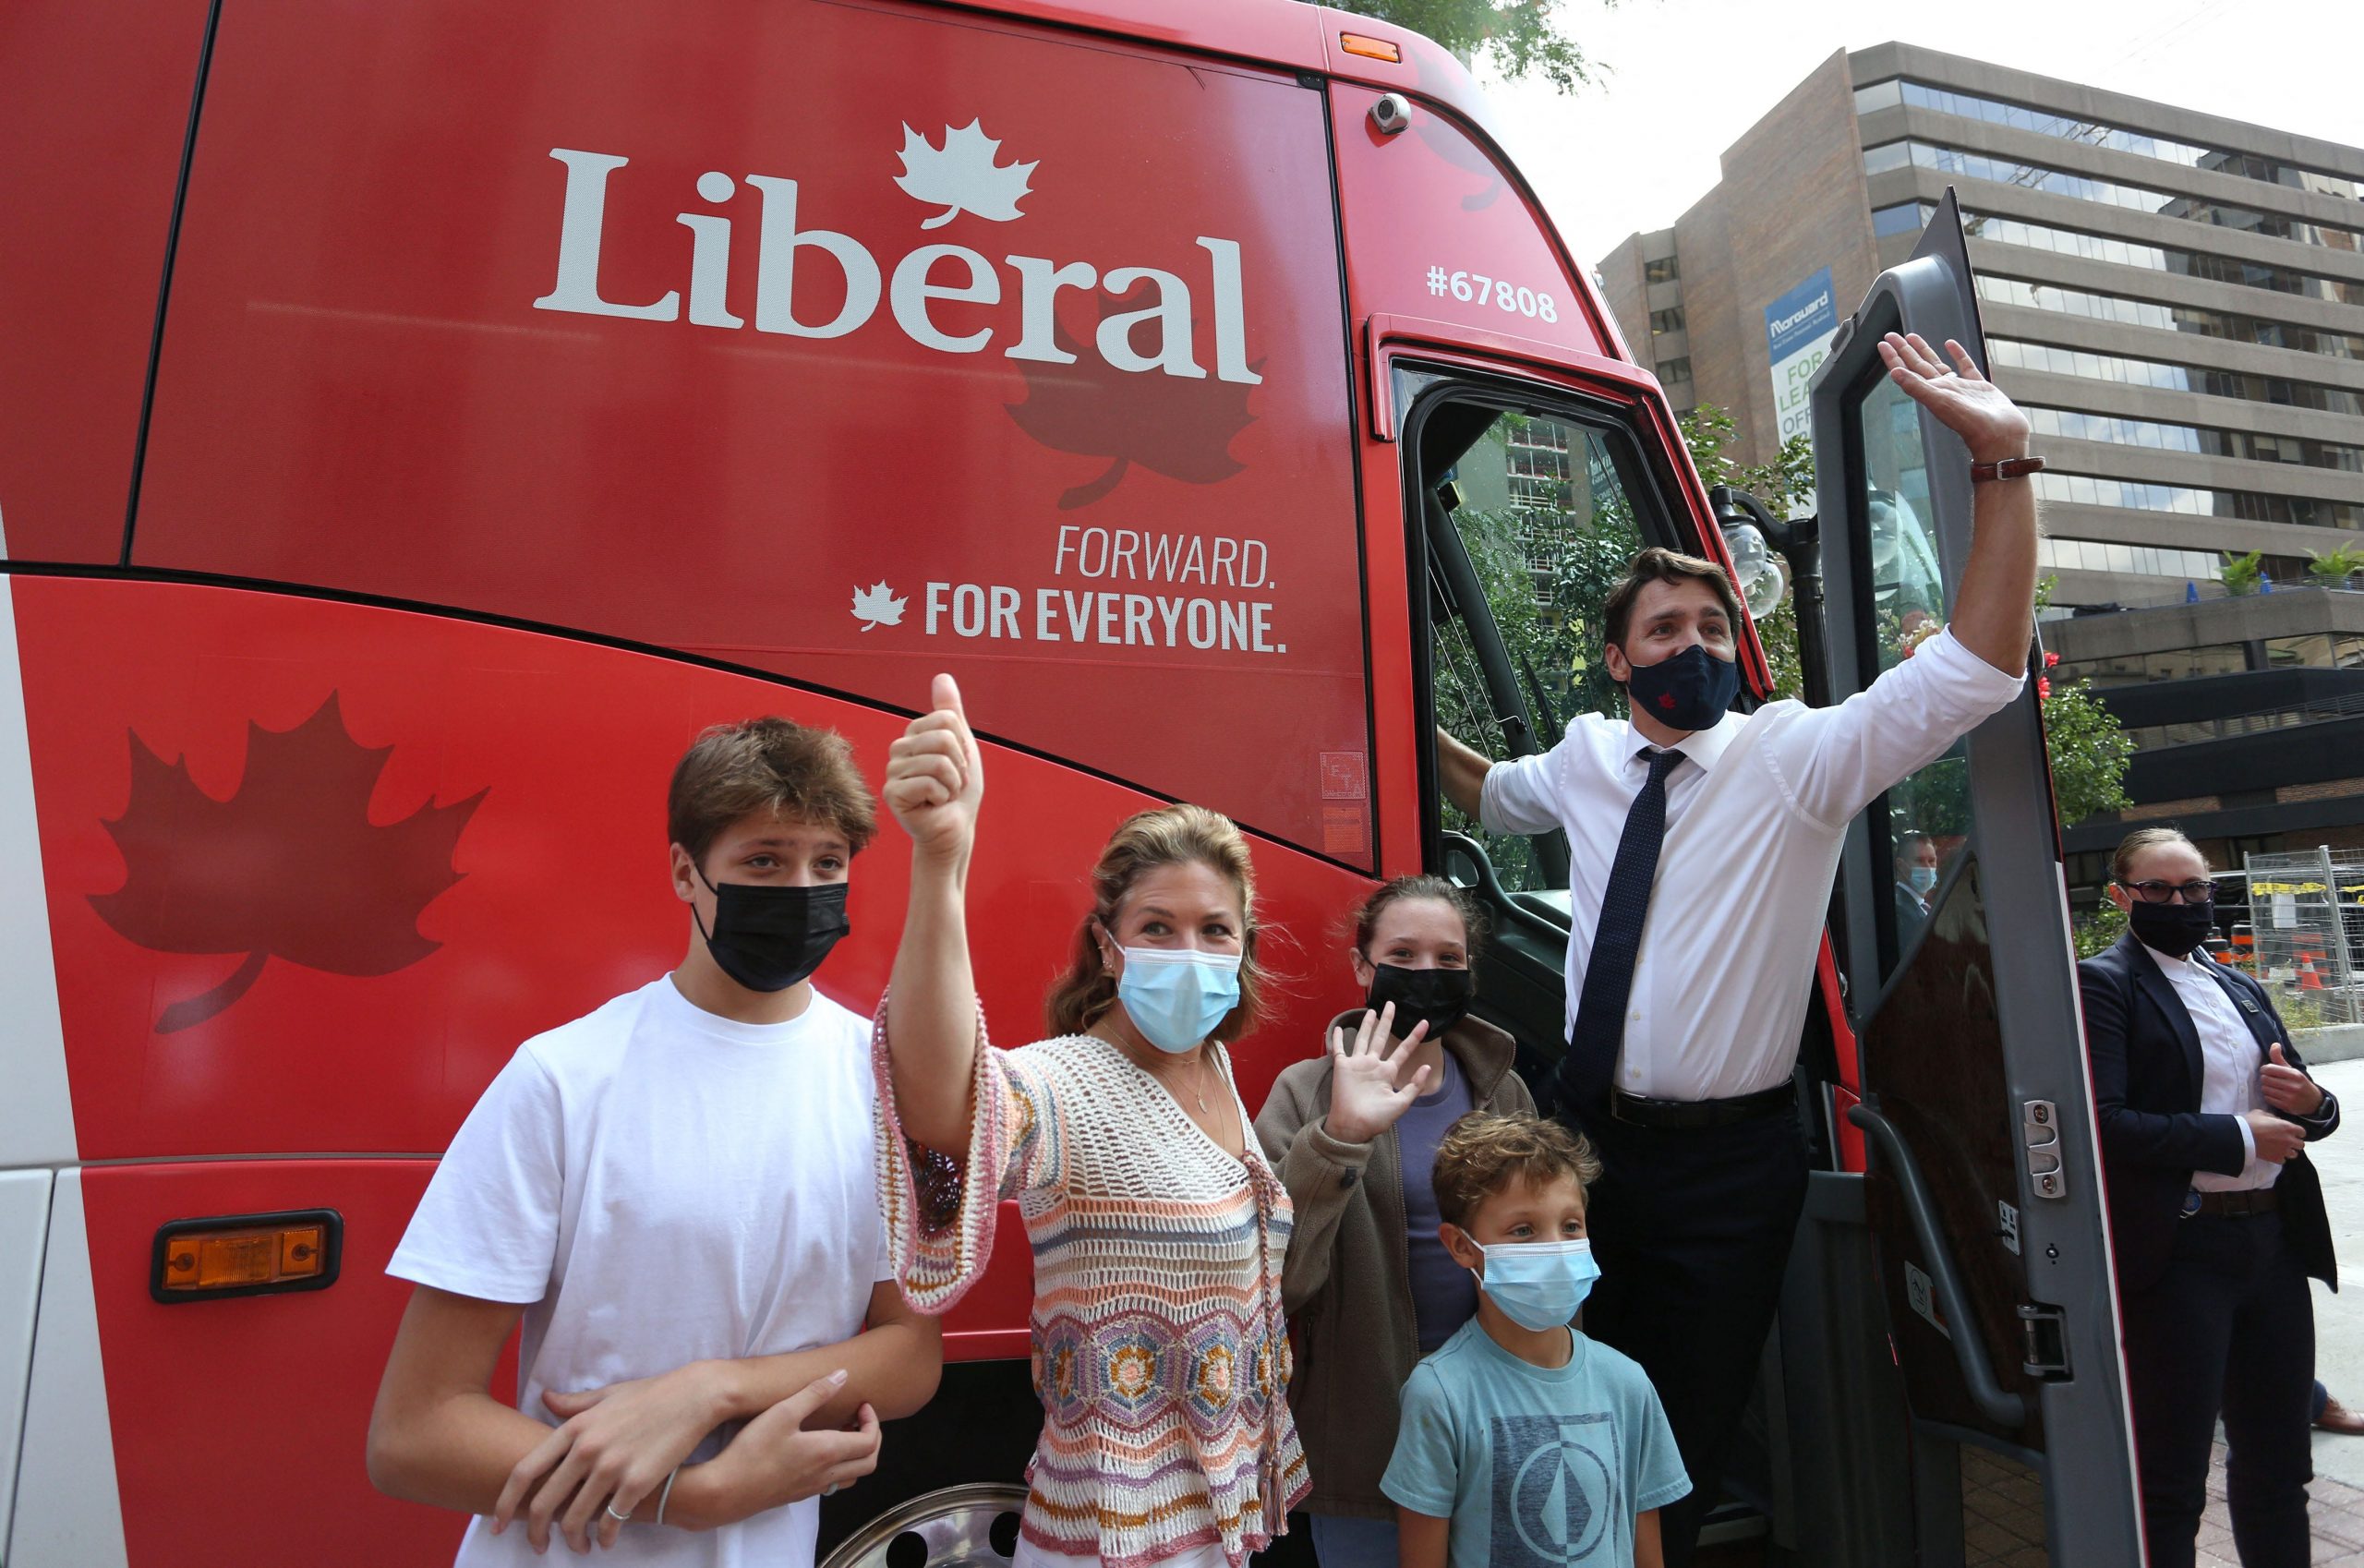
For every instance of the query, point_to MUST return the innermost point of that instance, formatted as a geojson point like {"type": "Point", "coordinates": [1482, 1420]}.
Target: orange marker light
{"type": "Point", "coordinates": [1370, 48]}
{"type": "Point", "coordinates": [245, 1255]}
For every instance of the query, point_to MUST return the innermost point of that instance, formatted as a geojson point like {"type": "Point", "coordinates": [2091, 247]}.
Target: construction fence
{"type": "Point", "coordinates": [2305, 933]}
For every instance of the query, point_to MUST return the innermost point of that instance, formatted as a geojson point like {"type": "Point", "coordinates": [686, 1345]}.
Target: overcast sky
{"type": "Point", "coordinates": [1689, 76]}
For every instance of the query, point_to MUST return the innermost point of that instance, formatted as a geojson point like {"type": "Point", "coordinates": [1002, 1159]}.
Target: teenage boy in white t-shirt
{"type": "Point", "coordinates": [677, 1194]}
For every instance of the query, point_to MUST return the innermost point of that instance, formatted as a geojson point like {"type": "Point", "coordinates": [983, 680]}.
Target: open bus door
{"type": "Point", "coordinates": [1984, 1187]}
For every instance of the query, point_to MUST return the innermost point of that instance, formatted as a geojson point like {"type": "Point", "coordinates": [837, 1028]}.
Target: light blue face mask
{"type": "Point", "coordinates": [1177, 995]}
{"type": "Point", "coordinates": [1540, 1284]}
{"type": "Point", "coordinates": [1921, 878]}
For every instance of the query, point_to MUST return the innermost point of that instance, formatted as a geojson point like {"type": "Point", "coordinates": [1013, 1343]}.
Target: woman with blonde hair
{"type": "Point", "coordinates": [1157, 1226]}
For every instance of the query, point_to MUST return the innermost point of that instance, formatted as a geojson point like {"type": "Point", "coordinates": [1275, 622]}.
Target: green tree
{"type": "Point", "coordinates": [1521, 36]}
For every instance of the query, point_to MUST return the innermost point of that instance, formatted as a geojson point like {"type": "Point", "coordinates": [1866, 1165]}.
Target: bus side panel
{"type": "Point", "coordinates": [94, 106]}
{"type": "Point", "coordinates": [440, 837]}
{"type": "Point", "coordinates": [849, 342]}
{"type": "Point", "coordinates": [240, 1425]}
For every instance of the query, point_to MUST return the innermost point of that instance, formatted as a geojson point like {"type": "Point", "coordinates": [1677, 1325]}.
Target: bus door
{"type": "Point", "coordinates": [1523, 505]}
{"type": "Point", "coordinates": [1983, 1185]}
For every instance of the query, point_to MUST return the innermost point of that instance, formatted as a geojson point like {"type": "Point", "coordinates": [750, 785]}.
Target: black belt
{"type": "Point", "coordinates": [1695, 1114]}
{"type": "Point", "coordinates": [2231, 1205]}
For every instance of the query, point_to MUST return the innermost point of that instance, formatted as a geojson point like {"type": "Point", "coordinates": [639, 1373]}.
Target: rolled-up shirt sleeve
{"type": "Point", "coordinates": [1837, 760]}
{"type": "Point", "coordinates": [1520, 795]}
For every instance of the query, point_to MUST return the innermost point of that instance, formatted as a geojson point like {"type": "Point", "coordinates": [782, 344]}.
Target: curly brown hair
{"type": "Point", "coordinates": [1658, 564]}
{"type": "Point", "coordinates": [767, 765]}
{"type": "Point", "coordinates": [1486, 1150]}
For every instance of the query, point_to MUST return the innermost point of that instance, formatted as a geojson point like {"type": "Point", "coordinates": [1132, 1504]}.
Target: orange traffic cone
{"type": "Point", "coordinates": [2308, 979]}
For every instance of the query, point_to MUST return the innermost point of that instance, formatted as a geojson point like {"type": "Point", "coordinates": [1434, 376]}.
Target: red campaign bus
{"type": "Point", "coordinates": [417, 421]}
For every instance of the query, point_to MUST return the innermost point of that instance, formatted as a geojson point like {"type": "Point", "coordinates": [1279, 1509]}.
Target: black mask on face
{"type": "Point", "coordinates": [2172, 929]}
{"type": "Point", "coordinates": [1438, 997]}
{"type": "Point", "coordinates": [768, 938]}
{"type": "Point", "coordinates": [1691, 691]}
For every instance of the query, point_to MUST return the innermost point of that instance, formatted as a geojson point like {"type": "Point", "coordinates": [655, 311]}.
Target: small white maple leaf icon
{"type": "Point", "coordinates": [877, 607]}
{"type": "Point", "coordinates": [963, 176]}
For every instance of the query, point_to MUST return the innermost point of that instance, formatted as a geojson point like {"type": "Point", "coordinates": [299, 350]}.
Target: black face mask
{"type": "Point", "coordinates": [1440, 997]}
{"type": "Point", "coordinates": [768, 938]}
{"type": "Point", "coordinates": [2172, 929]}
{"type": "Point", "coordinates": [1693, 689]}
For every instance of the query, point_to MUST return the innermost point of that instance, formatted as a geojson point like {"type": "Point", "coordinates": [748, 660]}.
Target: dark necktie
{"type": "Point", "coordinates": [1599, 1029]}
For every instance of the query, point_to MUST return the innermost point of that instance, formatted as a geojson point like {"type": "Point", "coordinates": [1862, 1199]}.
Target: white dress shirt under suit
{"type": "Point", "coordinates": [1756, 815]}
{"type": "Point", "coordinates": [2229, 1062]}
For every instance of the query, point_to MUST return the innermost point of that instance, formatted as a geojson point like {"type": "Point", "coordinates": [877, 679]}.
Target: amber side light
{"type": "Point", "coordinates": [1370, 48]}
{"type": "Point", "coordinates": [234, 1255]}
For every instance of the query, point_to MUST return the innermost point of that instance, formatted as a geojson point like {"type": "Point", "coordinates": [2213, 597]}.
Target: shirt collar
{"type": "Point", "coordinates": [1705, 747]}
{"type": "Point", "coordinates": [2169, 964]}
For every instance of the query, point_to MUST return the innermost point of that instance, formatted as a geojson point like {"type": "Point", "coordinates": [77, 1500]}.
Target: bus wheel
{"type": "Point", "coordinates": [966, 1527]}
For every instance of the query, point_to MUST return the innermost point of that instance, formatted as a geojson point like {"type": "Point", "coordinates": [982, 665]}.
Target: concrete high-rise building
{"type": "Point", "coordinates": [2177, 300]}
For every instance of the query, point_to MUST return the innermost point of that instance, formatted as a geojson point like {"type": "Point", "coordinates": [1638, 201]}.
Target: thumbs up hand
{"type": "Point", "coordinates": [935, 779]}
{"type": "Point", "coordinates": [2284, 1088]}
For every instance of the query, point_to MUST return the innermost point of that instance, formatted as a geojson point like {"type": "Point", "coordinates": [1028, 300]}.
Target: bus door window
{"type": "Point", "coordinates": [1525, 519]}
{"type": "Point", "coordinates": [1919, 827]}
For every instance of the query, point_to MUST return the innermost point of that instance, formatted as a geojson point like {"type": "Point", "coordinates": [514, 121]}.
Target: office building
{"type": "Point", "coordinates": [2178, 300]}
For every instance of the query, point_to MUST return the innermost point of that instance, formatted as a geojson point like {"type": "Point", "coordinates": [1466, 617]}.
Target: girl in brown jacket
{"type": "Point", "coordinates": [1368, 1286]}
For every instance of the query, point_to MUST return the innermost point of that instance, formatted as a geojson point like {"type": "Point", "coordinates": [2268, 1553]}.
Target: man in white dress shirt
{"type": "Point", "coordinates": [2216, 1215]}
{"type": "Point", "coordinates": [1702, 845]}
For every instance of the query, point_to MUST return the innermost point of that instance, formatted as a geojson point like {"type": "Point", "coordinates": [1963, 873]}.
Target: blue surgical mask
{"type": "Point", "coordinates": [1176, 996]}
{"type": "Point", "coordinates": [1689, 692]}
{"type": "Point", "coordinates": [1540, 1284]}
{"type": "Point", "coordinates": [1921, 878]}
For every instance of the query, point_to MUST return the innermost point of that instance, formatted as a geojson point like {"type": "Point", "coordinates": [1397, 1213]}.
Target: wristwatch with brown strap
{"type": "Point", "coordinates": [2009, 468]}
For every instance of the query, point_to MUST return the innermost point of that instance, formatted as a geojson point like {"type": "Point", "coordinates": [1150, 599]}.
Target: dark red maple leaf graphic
{"type": "Point", "coordinates": [1172, 425]}
{"type": "Point", "coordinates": [289, 866]}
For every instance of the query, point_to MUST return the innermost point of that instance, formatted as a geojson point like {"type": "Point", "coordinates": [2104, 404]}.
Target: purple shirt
{"type": "Point", "coordinates": [1444, 1296]}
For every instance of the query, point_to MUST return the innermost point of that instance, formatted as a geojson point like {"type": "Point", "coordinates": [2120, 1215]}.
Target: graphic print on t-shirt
{"type": "Point", "coordinates": [1554, 1487]}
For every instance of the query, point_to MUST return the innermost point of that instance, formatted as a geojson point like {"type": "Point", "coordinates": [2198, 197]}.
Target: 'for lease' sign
{"type": "Point", "coordinates": [1798, 329]}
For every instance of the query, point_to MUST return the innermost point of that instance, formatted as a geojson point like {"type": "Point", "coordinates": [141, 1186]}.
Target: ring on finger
{"type": "Point", "coordinates": [611, 1511]}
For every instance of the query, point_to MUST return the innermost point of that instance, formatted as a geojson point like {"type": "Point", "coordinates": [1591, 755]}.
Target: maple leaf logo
{"type": "Point", "coordinates": [1171, 425]}
{"type": "Point", "coordinates": [962, 176]}
{"type": "Point", "coordinates": [290, 865]}
{"type": "Point", "coordinates": [878, 607]}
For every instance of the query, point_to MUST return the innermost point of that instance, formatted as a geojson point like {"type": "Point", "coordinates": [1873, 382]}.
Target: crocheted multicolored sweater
{"type": "Point", "coordinates": [1159, 1351]}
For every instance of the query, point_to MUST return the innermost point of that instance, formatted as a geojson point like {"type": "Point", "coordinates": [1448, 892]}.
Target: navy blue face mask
{"type": "Point", "coordinates": [1693, 689]}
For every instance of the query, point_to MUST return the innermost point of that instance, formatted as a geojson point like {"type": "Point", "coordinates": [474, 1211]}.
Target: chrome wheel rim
{"type": "Point", "coordinates": [956, 1527]}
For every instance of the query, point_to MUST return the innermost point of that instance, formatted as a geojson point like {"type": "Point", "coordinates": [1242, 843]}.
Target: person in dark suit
{"type": "Point", "coordinates": [1916, 877]}
{"type": "Point", "coordinates": [2217, 1218]}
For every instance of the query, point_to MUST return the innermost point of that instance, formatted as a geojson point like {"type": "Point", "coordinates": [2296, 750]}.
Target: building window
{"type": "Point", "coordinates": [2115, 431]}
{"type": "Point", "coordinates": [1905, 218]}
{"type": "Point", "coordinates": [2169, 317]}
{"type": "Point", "coordinates": [2130, 560]}
{"type": "Point", "coordinates": [2095, 133]}
{"type": "Point", "coordinates": [1662, 270]}
{"type": "Point", "coordinates": [1665, 321]}
{"type": "Point", "coordinates": [2156, 259]}
{"type": "Point", "coordinates": [1677, 369]}
{"type": "Point", "coordinates": [2088, 489]}
{"type": "Point", "coordinates": [2012, 354]}
{"type": "Point", "coordinates": [2085, 188]}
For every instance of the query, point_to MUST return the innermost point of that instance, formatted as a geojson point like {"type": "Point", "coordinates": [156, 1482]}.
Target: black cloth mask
{"type": "Point", "coordinates": [2172, 929]}
{"type": "Point", "coordinates": [1693, 689]}
{"type": "Point", "coordinates": [769, 937]}
{"type": "Point", "coordinates": [1440, 997]}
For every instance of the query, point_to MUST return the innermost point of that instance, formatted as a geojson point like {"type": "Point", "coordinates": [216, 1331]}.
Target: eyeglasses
{"type": "Point", "coordinates": [2161, 892]}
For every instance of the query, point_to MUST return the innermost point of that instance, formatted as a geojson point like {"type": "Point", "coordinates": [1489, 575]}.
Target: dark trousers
{"type": "Point", "coordinates": [1692, 1230]}
{"type": "Point", "coordinates": [2230, 1325]}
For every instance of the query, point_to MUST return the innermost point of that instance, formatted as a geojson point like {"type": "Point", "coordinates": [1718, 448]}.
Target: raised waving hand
{"type": "Point", "coordinates": [1964, 400]}
{"type": "Point", "coordinates": [1368, 1089]}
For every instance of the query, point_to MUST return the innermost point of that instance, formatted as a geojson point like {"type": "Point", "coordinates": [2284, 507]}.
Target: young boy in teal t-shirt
{"type": "Point", "coordinates": [1523, 1444]}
